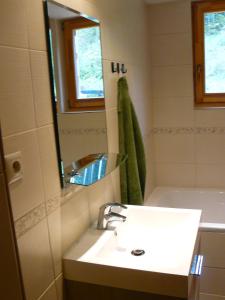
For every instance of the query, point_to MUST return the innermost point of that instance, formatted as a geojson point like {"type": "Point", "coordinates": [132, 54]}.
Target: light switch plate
{"type": "Point", "coordinates": [14, 167]}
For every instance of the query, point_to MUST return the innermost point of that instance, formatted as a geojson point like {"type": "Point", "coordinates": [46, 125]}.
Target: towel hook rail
{"type": "Point", "coordinates": [118, 68]}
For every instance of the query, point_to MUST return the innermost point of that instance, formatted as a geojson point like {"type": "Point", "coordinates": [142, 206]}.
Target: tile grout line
{"type": "Point", "coordinates": [27, 131]}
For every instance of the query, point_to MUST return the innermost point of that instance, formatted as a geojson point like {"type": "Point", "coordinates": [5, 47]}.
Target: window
{"type": "Point", "coordinates": [84, 64]}
{"type": "Point", "coordinates": [209, 52]}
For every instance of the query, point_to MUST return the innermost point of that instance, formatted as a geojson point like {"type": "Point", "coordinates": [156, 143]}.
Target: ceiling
{"type": "Point", "coordinates": [59, 12]}
{"type": "Point", "coordinates": [157, 1]}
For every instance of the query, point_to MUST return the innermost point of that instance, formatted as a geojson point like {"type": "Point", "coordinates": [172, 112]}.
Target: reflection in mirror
{"type": "Point", "coordinates": [76, 59]}
{"type": "Point", "coordinates": [77, 86]}
{"type": "Point", "coordinates": [92, 168]}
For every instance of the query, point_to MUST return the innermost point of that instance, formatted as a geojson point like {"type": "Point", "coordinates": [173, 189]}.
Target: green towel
{"type": "Point", "coordinates": [133, 171]}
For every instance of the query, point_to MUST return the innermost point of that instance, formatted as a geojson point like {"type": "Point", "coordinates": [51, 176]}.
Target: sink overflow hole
{"type": "Point", "coordinates": [138, 252]}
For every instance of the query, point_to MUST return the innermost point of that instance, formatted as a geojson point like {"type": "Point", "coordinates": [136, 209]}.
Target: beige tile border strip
{"type": "Point", "coordinates": [30, 219]}
{"type": "Point", "coordinates": [188, 130]}
{"type": "Point", "coordinates": [83, 131]}
{"type": "Point", "coordinates": [36, 215]}
{"type": "Point", "coordinates": [52, 204]}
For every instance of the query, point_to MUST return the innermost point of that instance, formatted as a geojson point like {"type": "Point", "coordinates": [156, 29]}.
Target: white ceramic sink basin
{"type": "Point", "coordinates": [168, 237]}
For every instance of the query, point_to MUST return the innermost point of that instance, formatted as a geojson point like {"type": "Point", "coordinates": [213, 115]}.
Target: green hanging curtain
{"type": "Point", "coordinates": [133, 171]}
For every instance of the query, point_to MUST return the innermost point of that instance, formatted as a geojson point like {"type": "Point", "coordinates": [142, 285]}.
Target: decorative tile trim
{"type": "Point", "coordinates": [83, 131]}
{"type": "Point", "coordinates": [30, 219]}
{"type": "Point", "coordinates": [188, 130]}
{"type": "Point", "coordinates": [36, 215]}
{"type": "Point", "coordinates": [52, 204]}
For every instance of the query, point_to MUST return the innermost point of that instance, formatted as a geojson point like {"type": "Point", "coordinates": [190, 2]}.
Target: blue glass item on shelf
{"type": "Point", "coordinates": [92, 173]}
{"type": "Point", "coordinates": [92, 168]}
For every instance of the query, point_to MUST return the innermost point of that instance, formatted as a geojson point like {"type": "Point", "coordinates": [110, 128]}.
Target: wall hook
{"type": "Point", "coordinates": [115, 67]}
{"type": "Point", "coordinates": [118, 68]}
{"type": "Point", "coordinates": [123, 69]}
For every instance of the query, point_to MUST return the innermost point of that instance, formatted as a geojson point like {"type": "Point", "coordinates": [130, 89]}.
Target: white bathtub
{"type": "Point", "coordinates": [212, 231]}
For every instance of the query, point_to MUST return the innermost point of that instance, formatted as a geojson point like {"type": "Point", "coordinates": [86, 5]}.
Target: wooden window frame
{"type": "Point", "coordinates": [198, 10]}
{"type": "Point", "coordinates": [76, 104]}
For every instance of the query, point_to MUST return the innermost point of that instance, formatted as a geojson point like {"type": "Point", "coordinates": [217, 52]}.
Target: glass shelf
{"type": "Point", "coordinates": [92, 168]}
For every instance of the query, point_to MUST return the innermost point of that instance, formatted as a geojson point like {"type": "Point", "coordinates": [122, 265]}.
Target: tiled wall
{"type": "Point", "coordinates": [48, 220]}
{"type": "Point", "coordinates": [189, 143]}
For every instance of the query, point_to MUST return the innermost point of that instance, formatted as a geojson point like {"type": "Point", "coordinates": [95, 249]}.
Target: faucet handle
{"type": "Point", "coordinates": [120, 205]}
{"type": "Point", "coordinates": [113, 214]}
{"type": "Point", "coordinates": [111, 204]}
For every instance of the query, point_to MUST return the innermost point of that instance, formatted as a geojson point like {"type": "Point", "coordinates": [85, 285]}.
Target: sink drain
{"type": "Point", "coordinates": [138, 252]}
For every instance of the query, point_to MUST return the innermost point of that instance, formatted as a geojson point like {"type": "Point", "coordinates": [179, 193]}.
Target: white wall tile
{"type": "Point", "coordinates": [49, 164]}
{"type": "Point", "coordinates": [139, 90]}
{"type": "Point", "coordinates": [210, 117]}
{"type": "Point", "coordinates": [99, 194]}
{"type": "Point", "coordinates": [149, 155]}
{"type": "Point", "coordinates": [171, 49]}
{"type": "Point", "coordinates": [16, 103]}
{"type": "Point", "coordinates": [13, 23]}
{"type": "Point", "coordinates": [170, 17]}
{"type": "Point", "coordinates": [210, 175]}
{"type": "Point", "coordinates": [110, 83]}
{"type": "Point", "coordinates": [41, 87]}
{"type": "Point", "coordinates": [174, 148]}
{"type": "Point", "coordinates": [115, 182]}
{"type": "Point", "coordinates": [174, 112]}
{"type": "Point", "coordinates": [36, 26]}
{"type": "Point", "coordinates": [178, 175]}
{"type": "Point", "coordinates": [132, 34]}
{"type": "Point", "coordinates": [82, 6]}
{"type": "Point", "coordinates": [173, 81]}
{"type": "Point", "coordinates": [210, 148]}
{"type": "Point", "coordinates": [111, 28]}
{"type": "Point", "coordinates": [112, 130]}
{"type": "Point", "coordinates": [55, 231]}
{"type": "Point", "coordinates": [75, 218]}
{"type": "Point", "coordinates": [36, 261]}
{"type": "Point", "coordinates": [27, 193]}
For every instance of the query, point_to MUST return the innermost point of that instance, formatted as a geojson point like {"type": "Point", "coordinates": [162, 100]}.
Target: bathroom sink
{"type": "Point", "coordinates": [151, 252]}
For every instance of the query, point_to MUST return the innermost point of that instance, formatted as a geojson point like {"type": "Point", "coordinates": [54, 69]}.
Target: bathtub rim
{"type": "Point", "coordinates": [154, 197]}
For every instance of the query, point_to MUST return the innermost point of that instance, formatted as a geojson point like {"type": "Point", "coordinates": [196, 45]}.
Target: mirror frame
{"type": "Point", "coordinates": [51, 80]}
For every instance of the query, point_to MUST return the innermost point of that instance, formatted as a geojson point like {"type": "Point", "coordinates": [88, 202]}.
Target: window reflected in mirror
{"type": "Point", "coordinates": [83, 51]}
{"type": "Point", "coordinates": [76, 59]}
{"type": "Point", "coordinates": [88, 73]}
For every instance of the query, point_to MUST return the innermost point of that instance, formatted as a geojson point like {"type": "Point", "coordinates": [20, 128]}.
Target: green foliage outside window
{"type": "Point", "coordinates": [214, 22]}
{"type": "Point", "coordinates": [89, 60]}
{"type": "Point", "coordinates": [215, 52]}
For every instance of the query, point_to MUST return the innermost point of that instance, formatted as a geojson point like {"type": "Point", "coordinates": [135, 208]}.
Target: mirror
{"type": "Point", "coordinates": [77, 85]}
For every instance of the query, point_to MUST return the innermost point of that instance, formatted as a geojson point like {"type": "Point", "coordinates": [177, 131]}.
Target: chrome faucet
{"type": "Point", "coordinates": [103, 216]}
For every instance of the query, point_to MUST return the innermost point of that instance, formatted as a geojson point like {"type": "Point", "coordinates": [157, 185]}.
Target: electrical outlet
{"type": "Point", "coordinates": [14, 167]}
